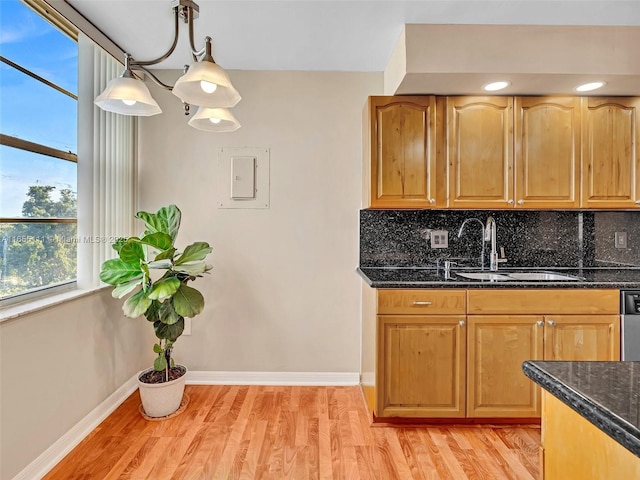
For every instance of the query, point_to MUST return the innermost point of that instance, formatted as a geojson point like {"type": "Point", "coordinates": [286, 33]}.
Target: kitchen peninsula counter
{"type": "Point", "coordinates": [591, 418]}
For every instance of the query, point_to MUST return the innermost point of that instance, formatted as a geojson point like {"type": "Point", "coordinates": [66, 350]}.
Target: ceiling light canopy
{"type": "Point", "coordinates": [204, 84]}
{"type": "Point", "coordinates": [587, 87]}
{"type": "Point", "coordinates": [495, 86]}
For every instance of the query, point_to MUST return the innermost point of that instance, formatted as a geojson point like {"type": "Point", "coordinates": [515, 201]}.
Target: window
{"type": "Point", "coordinates": [38, 149]}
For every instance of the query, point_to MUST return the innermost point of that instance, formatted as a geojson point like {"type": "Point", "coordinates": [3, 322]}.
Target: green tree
{"type": "Point", "coordinates": [38, 254]}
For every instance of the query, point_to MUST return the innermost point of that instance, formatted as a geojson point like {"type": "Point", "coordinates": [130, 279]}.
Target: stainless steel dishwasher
{"type": "Point", "coordinates": [630, 310]}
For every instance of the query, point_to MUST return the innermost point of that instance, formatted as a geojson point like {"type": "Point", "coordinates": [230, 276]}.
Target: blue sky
{"type": "Point", "coordinates": [32, 111]}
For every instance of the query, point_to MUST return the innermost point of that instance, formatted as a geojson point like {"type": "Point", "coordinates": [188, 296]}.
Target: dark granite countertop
{"type": "Point", "coordinates": [605, 393]}
{"type": "Point", "coordinates": [431, 277]}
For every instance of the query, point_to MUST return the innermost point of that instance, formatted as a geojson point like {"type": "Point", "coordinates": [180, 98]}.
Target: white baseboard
{"type": "Point", "coordinates": [273, 378]}
{"type": "Point", "coordinates": [56, 452]}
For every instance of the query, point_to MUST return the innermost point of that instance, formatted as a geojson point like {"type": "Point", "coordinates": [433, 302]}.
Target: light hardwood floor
{"type": "Point", "coordinates": [269, 432]}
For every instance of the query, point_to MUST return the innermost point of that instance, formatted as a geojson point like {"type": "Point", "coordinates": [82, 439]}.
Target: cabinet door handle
{"type": "Point", "coordinates": [422, 303]}
{"type": "Point", "coordinates": [510, 202]}
{"type": "Point", "coordinates": [432, 200]}
{"type": "Point", "coordinates": [540, 323]}
{"type": "Point", "coordinates": [551, 323]}
{"type": "Point", "coordinates": [521, 202]}
{"type": "Point", "coordinates": [462, 323]}
{"type": "Point", "coordinates": [637, 202]}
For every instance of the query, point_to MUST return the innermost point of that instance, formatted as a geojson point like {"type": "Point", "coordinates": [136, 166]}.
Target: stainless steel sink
{"type": "Point", "coordinates": [484, 276]}
{"type": "Point", "coordinates": [543, 276]}
{"type": "Point", "coordinates": [506, 276]}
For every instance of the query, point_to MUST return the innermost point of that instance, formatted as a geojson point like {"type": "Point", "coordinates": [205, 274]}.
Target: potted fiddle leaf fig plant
{"type": "Point", "coordinates": [156, 274]}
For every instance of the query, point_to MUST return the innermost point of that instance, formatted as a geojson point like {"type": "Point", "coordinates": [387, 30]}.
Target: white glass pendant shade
{"type": "Point", "coordinates": [195, 86]}
{"type": "Point", "coordinates": [214, 120]}
{"type": "Point", "coordinates": [127, 96]}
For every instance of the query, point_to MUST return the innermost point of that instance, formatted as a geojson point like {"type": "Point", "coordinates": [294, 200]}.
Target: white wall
{"type": "Point", "coordinates": [57, 365]}
{"type": "Point", "coordinates": [283, 295]}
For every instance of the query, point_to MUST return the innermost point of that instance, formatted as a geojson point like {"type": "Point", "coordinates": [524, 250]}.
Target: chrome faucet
{"type": "Point", "coordinates": [482, 234]}
{"type": "Point", "coordinates": [490, 234]}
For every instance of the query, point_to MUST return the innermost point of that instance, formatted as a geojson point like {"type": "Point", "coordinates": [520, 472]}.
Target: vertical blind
{"type": "Point", "coordinates": [106, 166]}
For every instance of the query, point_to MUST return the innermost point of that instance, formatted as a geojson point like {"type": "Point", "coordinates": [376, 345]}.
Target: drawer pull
{"type": "Point", "coordinates": [422, 303]}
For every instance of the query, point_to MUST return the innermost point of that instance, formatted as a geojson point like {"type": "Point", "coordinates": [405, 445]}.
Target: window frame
{"type": "Point", "coordinates": [65, 27]}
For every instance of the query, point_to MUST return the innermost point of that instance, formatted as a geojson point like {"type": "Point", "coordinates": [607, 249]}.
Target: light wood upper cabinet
{"type": "Point", "coordinates": [502, 152]}
{"type": "Point", "coordinates": [582, 337]}
{"type": "Point", "coordinates": [421, 366]}
{"type": "Point", "coordinates": [497, 347]}
{"type": "Point", "coordinates": [611, 153]}
{"type": "Point", "coordinates": [401, 150]}
{"type": "Point", "coordinates": [480, 151]}
{"type": "Point", "coordinates": [547, 152]}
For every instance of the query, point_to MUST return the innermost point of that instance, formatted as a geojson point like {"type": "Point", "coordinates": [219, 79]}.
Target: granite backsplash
{"type": "Point", "coordinates": [402, 238]}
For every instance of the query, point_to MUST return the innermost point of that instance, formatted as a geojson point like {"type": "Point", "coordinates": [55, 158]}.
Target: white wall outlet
{"type": "Point", "coordinates": [187, 326]}
{"type": "Point", "coordinates": [620, 239]}
{"type": "Point", "coordinates": [439, 239]}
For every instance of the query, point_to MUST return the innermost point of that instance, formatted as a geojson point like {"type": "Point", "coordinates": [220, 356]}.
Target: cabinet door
{"type": "Point", "coordinates": [610, 152]}
{"type": "Point", "coordinates": [480, 152]}
{"type": "Point", "coordinates": [403, 149]}
{"type": "Point", "coordinates": [421, 366]}
{"type": "Point", "coordinates": [497, 346]}
{"type": "Point", "coordinates": [547, 152]}
{"type": "Point", "coordinates": [582, 337]}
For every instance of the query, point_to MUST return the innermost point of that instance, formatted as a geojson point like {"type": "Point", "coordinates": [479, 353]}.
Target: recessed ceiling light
{"type": "Point", "coordinates": [587, 87]}
{"type": "Point", "coordinates": [492, 87]}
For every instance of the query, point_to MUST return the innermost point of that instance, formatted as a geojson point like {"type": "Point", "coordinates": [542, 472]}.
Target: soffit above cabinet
{"type": "Point", "coordinates": [536, 59]}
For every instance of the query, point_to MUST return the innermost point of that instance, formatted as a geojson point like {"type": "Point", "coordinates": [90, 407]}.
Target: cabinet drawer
{"type": "Point", "coordinates": [421, 302]}
{"type": "Point", "coordinates": [543, 301]}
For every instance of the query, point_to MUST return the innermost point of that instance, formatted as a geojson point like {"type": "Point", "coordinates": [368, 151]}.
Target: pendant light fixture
{"type": "Point", "coordinates": [127, 95]}
{"type": "Point", "coordinates": [214, 120]}
{"type": "Point", "coordinates": [204, 84]}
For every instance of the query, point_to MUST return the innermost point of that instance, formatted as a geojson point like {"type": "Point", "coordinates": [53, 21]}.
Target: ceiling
{"type": "Point", "coordinates": [356, 35]}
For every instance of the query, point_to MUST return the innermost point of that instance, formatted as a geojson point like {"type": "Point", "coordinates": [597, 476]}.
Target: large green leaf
{"type": "Point", "coordinates": [169, 332]}
{"type": "Point", "coordinates": [195, 251]}
{"type": "Point", "coordinates": [131, 252]}
{"type": "Point", "coordinates": [166, 255]}
{"type": "Point", "coordinates": [163, 288]}
{"type": "Point", "coordinates": [167, 313]}
{"type": "Point", "coordinates": [117, 245]}
{"type": "Point", "coordinates": [193, 269]}
{"type": "Point", "coordinates": [153, 312]}
{"type": "Point", "coordinates": [188, 301]}
{"type": "Point", "coordinates": [160, 264]}
{"type": "Point", "coordinates": [158, 240]}
{"type": "Point", "coordinates": [152, 222]}
{"type": "Point", "coordinates": [171, 216]}
{"type": "Point", "coordinates": [136, 304]}
{"type": "Point", "coordinates": [125, 288]}
{"type": "Point", "coordinates": [116, 271]}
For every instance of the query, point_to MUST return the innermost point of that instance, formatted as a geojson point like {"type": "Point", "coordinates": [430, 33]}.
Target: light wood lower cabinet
{"type": "Point", "coordinates": [582, 337]}
{"type": "Point", "coordinates": [459, 353]}
{"type": "Point", "coordinates": [423, 366]}
{"type": "Point", "coordinates": [498, 344]}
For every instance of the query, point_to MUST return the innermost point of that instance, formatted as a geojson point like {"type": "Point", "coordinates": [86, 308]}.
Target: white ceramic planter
{"type": "Point", "coordinates": [161, 399]}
